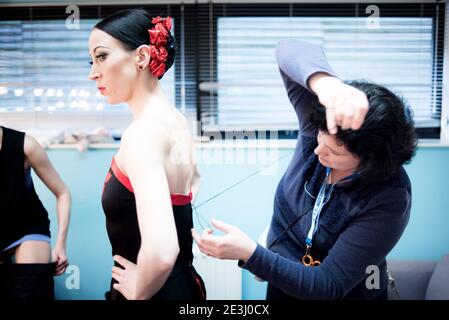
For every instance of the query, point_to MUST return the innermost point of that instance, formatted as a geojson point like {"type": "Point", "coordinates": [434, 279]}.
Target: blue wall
{"type": "Point", "coordinates": [248, 206]}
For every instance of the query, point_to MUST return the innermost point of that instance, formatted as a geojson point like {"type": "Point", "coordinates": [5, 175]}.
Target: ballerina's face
{"type": "Point", "coordinates": [113, 67]}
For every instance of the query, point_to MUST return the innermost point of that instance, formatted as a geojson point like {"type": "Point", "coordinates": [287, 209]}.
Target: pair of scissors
{"type": "Point", "coordinates": [308, 260]}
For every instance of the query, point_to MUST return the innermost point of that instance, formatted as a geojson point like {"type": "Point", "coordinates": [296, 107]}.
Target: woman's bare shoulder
{"type": "Point", "coordinates": [31, 145]}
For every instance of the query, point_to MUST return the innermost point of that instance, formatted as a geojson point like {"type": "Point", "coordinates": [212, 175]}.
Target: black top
{"type": "Point", "coordinates": [119, 205]}
{"type": "Point", "coordinates": [21, 210]}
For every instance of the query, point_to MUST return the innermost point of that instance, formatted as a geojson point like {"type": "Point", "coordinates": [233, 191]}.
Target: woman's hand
{"type": "Point", "coordinates": [233, 245]}
{"type": "Point", "coordinates": [346, 106]}
{"type": "Point", "coordinates": [60, 258]}
{"type": "Point", "coordinates": [126, 278]}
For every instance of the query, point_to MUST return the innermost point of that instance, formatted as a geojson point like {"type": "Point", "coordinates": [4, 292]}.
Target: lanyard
{"type": "Point", "coordinates": [317, 208]}
{"type": "Point", "coordinates": [320, 201]}
{"type": "Point", "coordinates": [319, 204]}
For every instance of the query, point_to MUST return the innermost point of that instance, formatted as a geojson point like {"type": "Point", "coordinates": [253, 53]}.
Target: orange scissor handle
{"type": "Point", "coordinates": [308, 261]}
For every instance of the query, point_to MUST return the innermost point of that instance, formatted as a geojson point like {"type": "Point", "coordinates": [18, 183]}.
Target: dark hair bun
{"type": "Point", "coordinates": [130, 27]}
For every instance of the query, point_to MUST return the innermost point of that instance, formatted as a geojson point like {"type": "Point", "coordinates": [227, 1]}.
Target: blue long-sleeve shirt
{"type": "Point", "coordinates": [358, 226]}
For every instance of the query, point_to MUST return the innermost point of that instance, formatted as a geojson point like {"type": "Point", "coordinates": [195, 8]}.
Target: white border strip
{"type": "Point", "coordinates": [445, 102]}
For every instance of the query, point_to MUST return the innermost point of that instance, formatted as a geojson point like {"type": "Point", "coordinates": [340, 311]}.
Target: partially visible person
{"type": "Point", "coordinates": [27, 263]}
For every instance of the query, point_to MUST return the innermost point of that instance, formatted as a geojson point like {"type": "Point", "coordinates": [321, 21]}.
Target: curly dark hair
{"type": "Point", "coordinates": [387, 138]}
{"type": "Point", "coordinates": [130, 27]}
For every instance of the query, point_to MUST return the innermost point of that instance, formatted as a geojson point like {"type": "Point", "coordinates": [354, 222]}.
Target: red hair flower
{"type": "Point", "coordinates": [158, 39]}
